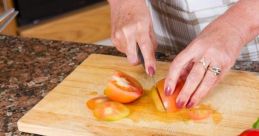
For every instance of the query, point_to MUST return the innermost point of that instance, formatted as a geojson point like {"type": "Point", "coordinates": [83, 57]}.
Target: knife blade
{"type": "Point", "coordinates": [141, 58]}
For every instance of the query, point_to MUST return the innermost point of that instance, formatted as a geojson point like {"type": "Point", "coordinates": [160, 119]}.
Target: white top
{"type": "Point", "coordinates": [177, 22]}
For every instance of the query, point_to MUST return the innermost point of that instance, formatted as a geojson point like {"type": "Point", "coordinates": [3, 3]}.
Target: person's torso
{"type": "Point", "coordinates": [177, 22]}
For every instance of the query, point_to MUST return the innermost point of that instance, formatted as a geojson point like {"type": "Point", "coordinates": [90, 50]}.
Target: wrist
{"type": "Point", "coordinates": [113, 3]}
{"type": "Point", "coordinates": [244, 18]}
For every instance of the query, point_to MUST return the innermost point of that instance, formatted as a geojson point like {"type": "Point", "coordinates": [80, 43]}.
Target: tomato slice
{"type": "Point", "coordinates": [156, 99]}
{"type": "Point", "coordinates": [92, 103]}
{"type": "Point", "coordinates": [199, 114]}
{"type": "Point", "coordinates": [110, 111]}
{"type": "Point", "coordinates": [123, 88]}
{"type": "Point", "coordinates": [169, 102]}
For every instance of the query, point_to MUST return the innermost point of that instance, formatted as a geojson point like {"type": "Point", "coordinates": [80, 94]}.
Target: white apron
{"type": "Point", "coordinates": [177, 22]}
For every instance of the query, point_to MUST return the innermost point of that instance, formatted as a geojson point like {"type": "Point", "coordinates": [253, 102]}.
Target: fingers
{"type": "Point", "coordinates": [192, 82]}
{"type": "Point", "coordinates": [131, 46]}
{"type": "Point", "coordinates": [208, 82]}
{"type": "Point", "coordinates": [126, 42]}
{"type": "Point", "coordinates": [177, 66]}
{"type": "Point", "coordinates": [118, 39]}
{"type": "Point", "coordinates": [147, 47]}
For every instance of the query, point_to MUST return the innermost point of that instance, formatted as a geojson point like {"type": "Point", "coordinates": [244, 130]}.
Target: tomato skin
{"type": "Point", "coordinates": [169, 102]}
{"type": "Point", "coordinates": [110, 111]}
{"type": "Point", "coordinates": [92, 103]}
{"type": "Point", "coordinates": [250, 132]}
{"type": "Point", "coordinates": [123, 94]}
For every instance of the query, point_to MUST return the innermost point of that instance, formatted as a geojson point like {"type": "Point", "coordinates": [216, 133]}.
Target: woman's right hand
{"type": "Point", "coordinates": [132, 25]}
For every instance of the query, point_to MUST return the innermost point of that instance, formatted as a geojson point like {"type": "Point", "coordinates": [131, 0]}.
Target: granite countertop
{"type": "Point", "coordinates": [30, 68]}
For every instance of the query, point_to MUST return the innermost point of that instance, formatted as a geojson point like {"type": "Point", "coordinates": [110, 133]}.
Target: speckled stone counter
{"type": "Point", "coordinates": [30, 68]}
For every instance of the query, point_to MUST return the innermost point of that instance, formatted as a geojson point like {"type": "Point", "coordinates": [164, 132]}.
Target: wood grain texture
{"type": "Point", "coordinates": [87, 25]}
{"type": "Point", "coordinates": [63, 111]}
{"type": "Point", "coordinates": [11, 28]}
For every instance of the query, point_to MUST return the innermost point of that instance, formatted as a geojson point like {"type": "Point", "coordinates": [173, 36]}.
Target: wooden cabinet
{"type": "Point", "coordinates": [11, 28]}
{"type": "Point", "coordinates": [90, 24]}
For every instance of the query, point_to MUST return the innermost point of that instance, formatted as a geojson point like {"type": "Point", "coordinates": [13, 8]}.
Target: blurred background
{"type": "Point", "coordinates": [68, 20]}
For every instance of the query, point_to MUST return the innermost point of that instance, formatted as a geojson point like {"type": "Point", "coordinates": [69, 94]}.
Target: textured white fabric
{"type": "Point", "coordinates": [195, 5]}
{"type": "Point", "coordinates": [177, 22]}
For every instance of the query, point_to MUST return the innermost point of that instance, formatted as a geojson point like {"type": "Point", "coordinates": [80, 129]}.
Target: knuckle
{"type": "Point", "coordinates": [176, 60]}
{"type": "Point", "coordinates": [128, 29]}
{"type": "Point", "coordinates": [143, 41]}
{"type": "Point", "coordinates": [117, 38]}
{"type": "Point", "coordinates": [184, 95]}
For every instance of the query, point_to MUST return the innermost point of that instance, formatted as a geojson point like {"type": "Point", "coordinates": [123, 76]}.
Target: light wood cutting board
{"type": "Point", "coordinates": [63, 111]}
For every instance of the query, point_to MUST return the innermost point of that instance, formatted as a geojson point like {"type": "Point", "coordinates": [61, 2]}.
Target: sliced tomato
{"type": "Point", "coordinates": [199, 114]}
{"type": "Point", "coordinates": [110, 111]}
{"type": "Point", "coordinates": [123, 88]}
{"type": "Point", "coordinates": [250, 132]}
{"type": "Point", "coordinates": [169, 102]}
{"type": "Point", "coordinates": [92, 103]}
{"type": "Point", "coordinates": [156, 99]}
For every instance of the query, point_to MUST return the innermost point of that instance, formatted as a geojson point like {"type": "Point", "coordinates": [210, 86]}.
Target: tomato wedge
{"type": "Point", "coordinates": [110, 111]}
{"type": "Point", "coordinates": [169, 102]}
{"type": "Point", "coordinates": [92, 103]}
{"type": "Point", "coordinates": [156, 99]}
{"type": "Point", "coordinates": [199, 114]}
{"type": "Point", "coordinates": [123, 88]}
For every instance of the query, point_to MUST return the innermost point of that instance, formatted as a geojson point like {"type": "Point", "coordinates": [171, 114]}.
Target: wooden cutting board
{"type": "Point", "coordinates": [63, 110]}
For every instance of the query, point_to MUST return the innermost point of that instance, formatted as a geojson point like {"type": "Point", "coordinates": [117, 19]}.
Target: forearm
{"type": "Point", "coordinates": [113, 3]}
{"type": "Point", "coordinates": [244, 16]}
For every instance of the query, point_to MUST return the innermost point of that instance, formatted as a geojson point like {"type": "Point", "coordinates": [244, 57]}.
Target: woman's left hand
{"type": "Point", "coordinates": [218, 46]}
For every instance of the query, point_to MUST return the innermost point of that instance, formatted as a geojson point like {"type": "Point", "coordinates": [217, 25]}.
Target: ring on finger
{"type": "Point", "coordinates": [204, 63]}
{"type": "Point", "coordinates": [215, 70]}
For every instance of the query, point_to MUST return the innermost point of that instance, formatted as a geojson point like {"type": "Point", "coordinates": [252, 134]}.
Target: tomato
{"type": "Point", "coordinates": [169, 102]}
{"type": "Point", "coordinates": [199, 114]}
{"type": "Point", "coordinates": [110, 111]}
{"type": "Point", "coordinates": [156, 99]}
{"type": "Point", "coordinates": [250, 132]}
{"type": "Point", "coordinates": [123, 88]}
{"type": "Point", "coordinates": [92, 103]}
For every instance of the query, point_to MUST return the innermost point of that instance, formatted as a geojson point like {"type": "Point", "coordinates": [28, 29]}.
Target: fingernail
{"type": "Point", "coordinates": [179, 104]}
{"type": "Point", "coordinates": [189, 105]}
{"type": "Point", "coordinates": [168, 91]}
{"type": "Point", "coordinates": [151, 71]}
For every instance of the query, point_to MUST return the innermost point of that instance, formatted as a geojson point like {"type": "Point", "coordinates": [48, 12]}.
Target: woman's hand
{"type": "Point", "coordinates": [217, 46]}
{"type": "Point", "coordinates": [132, 25]}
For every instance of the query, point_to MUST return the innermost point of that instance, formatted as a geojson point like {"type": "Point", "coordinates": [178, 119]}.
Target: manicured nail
{"type": "Point", "coordinates": [151, 71]}
{"type": "Point", "coordinates": [168, 91]}
{"type": "Point", "coordinates": [189, 105]}
{"type": "Point", "coordinates": [179, 104]}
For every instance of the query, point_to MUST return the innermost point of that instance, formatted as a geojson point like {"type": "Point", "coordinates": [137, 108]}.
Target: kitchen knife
{"type": "Point", "coordinates": [141, 58]}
